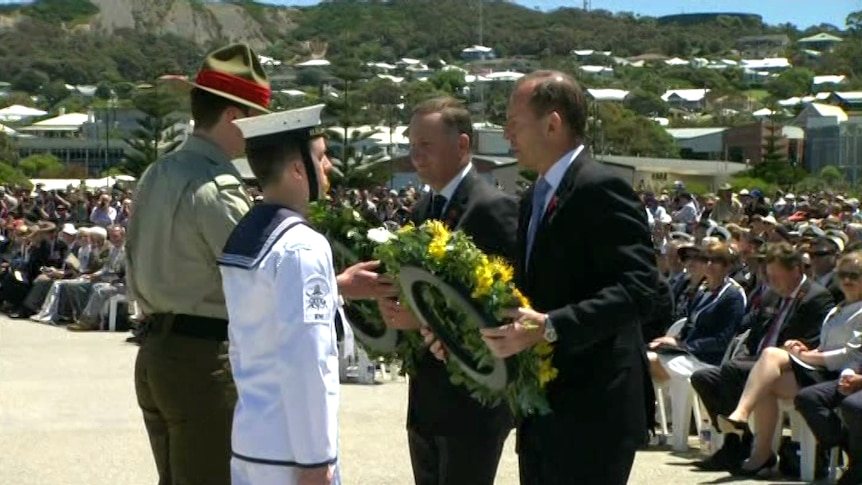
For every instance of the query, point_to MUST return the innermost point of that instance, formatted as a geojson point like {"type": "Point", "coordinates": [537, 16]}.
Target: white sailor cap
{"type": "Point", "coordinates": [285, 128]}
{"type": "Point", "coordinates": [271, 129]}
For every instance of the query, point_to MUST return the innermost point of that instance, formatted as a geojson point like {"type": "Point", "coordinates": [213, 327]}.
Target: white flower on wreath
{"type": "Point", "coordinates": [380, 235]}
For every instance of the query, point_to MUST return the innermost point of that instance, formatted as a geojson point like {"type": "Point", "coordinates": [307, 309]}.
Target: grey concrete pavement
{"type": "Point", "coordinates": [68, 416]}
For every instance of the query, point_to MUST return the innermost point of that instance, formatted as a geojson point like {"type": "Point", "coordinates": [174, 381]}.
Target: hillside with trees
{"type": "Point", "coordinates": [122, 46]}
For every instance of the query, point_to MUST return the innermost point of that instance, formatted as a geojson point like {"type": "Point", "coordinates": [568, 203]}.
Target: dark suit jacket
{"type": "Point", "coordinates": [436, 406]}
{"type": "Point", "coordinates": [834, 287]}
{"type": "Point", "coordinates": [40, 255]}
{"type": "Point", "coordinates": [803, 321]}
{"type": "Point", "coordinates": [662, 314]}
{"type": "Point", "coordinates": [711, 327]}
{"type": "Point", "coordinates": [593, 272]}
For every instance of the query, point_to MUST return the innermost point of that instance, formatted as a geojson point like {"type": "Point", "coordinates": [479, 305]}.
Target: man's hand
{"type": "Point", "coordinates": [795, 347]}
{"type": "Point", "coordinates": [397, 316]}
{"type": "Point", "coordinates": [849, 384]}
{"type": "Point", "coordinates": [513, 338]}
{"type": "Point", "coordinates": [360, 282]}
{"type": "Point", "coordinates": [666, 340]}
{"type": "Point", "coordinates": [434, 345]}
{"type": "Point", "coordinates": [316, 476]}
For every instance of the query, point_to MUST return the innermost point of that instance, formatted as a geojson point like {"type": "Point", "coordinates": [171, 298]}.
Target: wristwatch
{"type": "Point", "coordinates": [550, 331]}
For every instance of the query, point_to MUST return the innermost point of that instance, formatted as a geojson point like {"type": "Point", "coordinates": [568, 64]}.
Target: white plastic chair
{"type": "Point", "coordinates": [683, 402]}
{"type": "Point", "coordinates": [801, 433]}
{"type": "Point", "coordinates": [112, 303]}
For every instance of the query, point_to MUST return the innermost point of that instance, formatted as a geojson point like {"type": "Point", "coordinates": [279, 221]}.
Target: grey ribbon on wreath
{"type": "Point", "coordinates": [383, 340]}
{"type": "Point", "coordinates": [414, 282]}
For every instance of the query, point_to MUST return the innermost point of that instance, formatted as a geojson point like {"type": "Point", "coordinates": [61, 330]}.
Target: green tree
{"type": "Point", "coordinates": [13, 177]}
{"type": "Point", "coordinates": [622, 132]}
{"type": "Point", "coordinates": [451, 81]}
{"type": "Point", "coordinates": [646, 103]}
{"type": "Point", "coordinates": [355, 166]}
{"type": "Point", "coordinates": [30, 81]}
{"type": "Point", "coordinates": [55, 91]}
{"type": "Point", "coordinates": [792, 82]}
{"type": "Point", "coordinates": [156, 133]}
{"type": "Point", "coordinates": [41, 166]}
{"type": "Point", "coordinates": [8, 150]}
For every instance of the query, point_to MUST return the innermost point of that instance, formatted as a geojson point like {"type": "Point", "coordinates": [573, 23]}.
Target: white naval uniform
{"type": "Point", "coordinates": [281, 296]}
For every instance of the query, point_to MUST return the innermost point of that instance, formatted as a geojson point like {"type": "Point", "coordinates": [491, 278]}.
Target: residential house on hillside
{"type": "Point", "coordinates": [600, 95]}
{"type": "Point", "coordinates": [848, 101]}
{"type": "Point", "coordinates": [762, 45]}
{"type": "Point", "coordinates": [821, 42]}
{"type": "Point", "coordinates": [478, 53]}
{"type": "Point", "coordinates": [692, 100]}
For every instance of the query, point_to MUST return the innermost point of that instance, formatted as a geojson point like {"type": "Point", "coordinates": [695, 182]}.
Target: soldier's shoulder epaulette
{"type": "Point", "coordinates": [226, 181]}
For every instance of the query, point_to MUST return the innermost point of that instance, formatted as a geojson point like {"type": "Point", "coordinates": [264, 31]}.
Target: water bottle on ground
{"type": "Point", "coordinates": [705, 437]}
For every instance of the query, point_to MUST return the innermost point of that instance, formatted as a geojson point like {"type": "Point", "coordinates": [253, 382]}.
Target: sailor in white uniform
{"type": "Point", "coordinates": [282, 297]}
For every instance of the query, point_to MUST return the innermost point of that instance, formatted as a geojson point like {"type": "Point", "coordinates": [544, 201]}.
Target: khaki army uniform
{"type": "Point", "coordinates": [187, 205]}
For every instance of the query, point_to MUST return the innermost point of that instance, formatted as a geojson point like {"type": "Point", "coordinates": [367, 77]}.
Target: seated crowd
{"type": "Point", "coordinates": [62, 261]}
{"type": "Point", "coordinates": [763, 305]}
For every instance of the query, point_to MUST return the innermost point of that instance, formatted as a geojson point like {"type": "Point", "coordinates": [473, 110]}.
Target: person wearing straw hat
{"type": "Point", "coordinates": [283, 355]}
{"type": "Point", "coordinates": [193, 198]}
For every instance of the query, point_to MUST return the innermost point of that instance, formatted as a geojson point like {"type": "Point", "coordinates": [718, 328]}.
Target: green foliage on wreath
{"type": "Point", "coordinates": [453, 257]}
{"type": "Point", "coordinates": [343, 225]}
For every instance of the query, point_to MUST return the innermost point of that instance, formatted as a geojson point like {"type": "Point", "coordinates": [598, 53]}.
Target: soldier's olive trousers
{"type": "Point", "coordinates": [187, 411]}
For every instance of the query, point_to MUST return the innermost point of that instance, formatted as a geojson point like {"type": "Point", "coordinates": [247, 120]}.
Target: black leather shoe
{"type": "Point", "coordinates": [851, 476]}
{"type": "Point", "coordinates": [730, 426]}
{"type": "Point", "coordinates": [727, 458]}
{"type": "Point", "coordinates": [753, 472]}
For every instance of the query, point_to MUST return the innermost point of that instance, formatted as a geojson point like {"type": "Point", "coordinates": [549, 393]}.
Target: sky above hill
{"type": "Point", "coordinates": [802, 13]}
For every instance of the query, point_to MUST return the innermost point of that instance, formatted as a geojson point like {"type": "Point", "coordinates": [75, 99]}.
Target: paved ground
{"type": "Point", "coordinates": [68, 416]}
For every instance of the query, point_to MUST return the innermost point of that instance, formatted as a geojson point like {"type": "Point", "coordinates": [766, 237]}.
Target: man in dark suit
{"type": "Point", "coordinates": [833, 411]}
{"type": "Point", "coordinates": [453, 439]}
{"type": "Point", "coordinates": [590, 292]}
{"type": "Point", "coordinates": [824, 252]}
{"type": "Point", "coordinates": [792, 309]}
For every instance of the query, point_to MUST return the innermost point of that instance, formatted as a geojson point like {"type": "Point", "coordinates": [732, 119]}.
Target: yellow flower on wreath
{"type": "Point", "coordinates": [503, 270]}
{"type": "Point", "coordinates": [437, 248]}
{"type": "Point", "coordinates": [484, 275]}
{"type": "Point", "coordinates": [522, 300]}
{"type": "Point", "coordinates": [439, 230]}
{"type": "Point", "coordinates": [407, 228]}
{"type": "Point", "coordinates": [547, 372]}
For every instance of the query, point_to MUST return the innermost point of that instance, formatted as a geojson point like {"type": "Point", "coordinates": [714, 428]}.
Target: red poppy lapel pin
{"type": "Point", "coordinates": [552, 205]}
{"type": "Point", "coordinates": [452, 217]}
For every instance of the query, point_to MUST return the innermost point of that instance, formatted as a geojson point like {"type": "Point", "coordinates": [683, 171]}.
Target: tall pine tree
{"type": "Point", "coordinates": [156, 133]}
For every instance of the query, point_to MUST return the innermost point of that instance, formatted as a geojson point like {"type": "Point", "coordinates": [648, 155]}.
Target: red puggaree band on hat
{"type": "Point", "coordinates": [235, 86]}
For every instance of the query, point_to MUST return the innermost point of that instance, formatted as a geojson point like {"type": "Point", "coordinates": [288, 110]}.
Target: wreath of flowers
{"type": "Point", "coordinates": [487, 281]}
{"type": "Point", "coordinates": [343, 225]}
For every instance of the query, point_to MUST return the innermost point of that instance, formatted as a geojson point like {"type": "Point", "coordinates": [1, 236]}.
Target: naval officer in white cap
{"type": "Point", "coordinates": [282, 297]}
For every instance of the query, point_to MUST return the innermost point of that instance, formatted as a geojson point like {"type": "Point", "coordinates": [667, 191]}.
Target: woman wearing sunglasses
{"type": "Point", "coordinates": [781, 372]}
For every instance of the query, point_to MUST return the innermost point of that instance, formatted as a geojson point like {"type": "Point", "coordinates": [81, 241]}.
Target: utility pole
{"type": "Point", "coordinates": [481, 24]}
{"type": "Point", "coordinates": [587, 5]}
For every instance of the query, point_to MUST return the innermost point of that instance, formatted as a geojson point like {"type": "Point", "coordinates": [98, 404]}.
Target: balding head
{"type": "Point", "coordinates": [555, 91]}
{"type": "Point", "coordinates": [546, 118]}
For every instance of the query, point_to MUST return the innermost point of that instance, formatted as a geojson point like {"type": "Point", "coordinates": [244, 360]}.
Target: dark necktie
{"type": "Point", "coordinates": [772, 334]}
{"type": "Point", "coordinates": [437, 204]}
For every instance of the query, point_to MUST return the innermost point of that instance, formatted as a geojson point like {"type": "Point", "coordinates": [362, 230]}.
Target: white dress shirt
{"type": "Point", "coordinates": [449, 190]}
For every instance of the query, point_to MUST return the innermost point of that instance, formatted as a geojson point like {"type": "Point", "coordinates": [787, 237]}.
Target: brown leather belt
{"type": "Point", "coordinates": [193, 326]}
